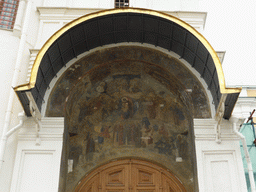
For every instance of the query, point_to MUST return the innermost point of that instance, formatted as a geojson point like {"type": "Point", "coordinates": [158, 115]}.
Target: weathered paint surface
{"type": "Point", "coordinates": [129, 102]}
{"type": "Point", "coordinates": [56, 101]}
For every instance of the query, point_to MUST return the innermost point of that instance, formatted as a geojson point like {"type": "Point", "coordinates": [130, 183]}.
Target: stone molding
{"type": "Point", "coordinates": [205, 129]}
{"type": "Point", "coordinates": [244, 107]}
{"type": "Point", "coordinates": [52, 129]}
{"type": "Point", "coordinates": [195, 19]}
{"type": "Point", "coordinates": [33, 54]}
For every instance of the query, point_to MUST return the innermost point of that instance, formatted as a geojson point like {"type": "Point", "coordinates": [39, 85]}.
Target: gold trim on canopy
{"type": "Point", "coordinates": [84, 18]}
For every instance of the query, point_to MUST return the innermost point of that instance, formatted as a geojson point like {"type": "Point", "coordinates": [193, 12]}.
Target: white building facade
{"type": "Point", "coordinates": [34, 126]}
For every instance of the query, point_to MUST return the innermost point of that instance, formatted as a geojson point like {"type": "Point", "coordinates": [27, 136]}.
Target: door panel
{"type": "Point", "coordinates": [115, 178]}
{"type": "Point", "coordinates": [130, 176]}
{"type": "Point", "coordinates": [145, 178]}
{"type": "Point", "coordinates": [92, 185]}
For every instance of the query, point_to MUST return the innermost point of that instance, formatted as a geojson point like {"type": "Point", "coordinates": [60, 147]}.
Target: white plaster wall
{"type": "Point", "coordinates": [8, 51]}
{"type": "Point", "coordinates": [163, 5]}
{"type": "Point", "coordinates": [34, 23]}
{"type": "Point", "coordinates": [167, 5]}
{"type": "Point", "coordinates": [9, 45]}
{"type": "Point", "coordinates": [37, 166]}
{"type": "Point", "coordinates": [219, 165]}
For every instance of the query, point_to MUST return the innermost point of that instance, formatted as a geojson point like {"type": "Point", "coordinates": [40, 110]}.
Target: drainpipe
{"type": "Point", "coordinates": [16, 70]}
{"type": "Point", "coordinates": [18, 20]}
{"type": "Point", "coordinates": [234, 120]}
{"type": "Point", "coordinates": [3, 141]}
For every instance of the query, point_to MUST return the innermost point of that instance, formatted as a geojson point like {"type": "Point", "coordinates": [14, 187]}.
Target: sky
{"type": "Point", "coordinates": [231, 27]}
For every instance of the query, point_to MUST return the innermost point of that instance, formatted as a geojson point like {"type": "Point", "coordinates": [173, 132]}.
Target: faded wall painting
{"type": "Point", "coordinates": [61, 90]}
{"type": "Point", "coordinates": [132, 109]}
{"type": "Point", "coordinates": [137, 103]}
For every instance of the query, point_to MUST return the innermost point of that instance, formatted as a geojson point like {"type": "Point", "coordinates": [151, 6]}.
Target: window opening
{"type": "Point", "coordinates": [121, 3]}
{"type": "Point", "coordinates": [8, 12]}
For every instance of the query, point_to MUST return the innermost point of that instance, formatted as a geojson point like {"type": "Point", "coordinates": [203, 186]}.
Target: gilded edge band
{"type": "Point", "coordinates": [79, 20]}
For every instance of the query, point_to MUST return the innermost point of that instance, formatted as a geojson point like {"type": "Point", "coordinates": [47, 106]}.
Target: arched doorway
{"type": "Point", "coordinates": [129, 106]}
{"type": "Point", "coordinates": [130, 175]}
{"type": "Point", "coordinates": [154, 97]}
{"type": "Point", "coordinates": [123, 99]}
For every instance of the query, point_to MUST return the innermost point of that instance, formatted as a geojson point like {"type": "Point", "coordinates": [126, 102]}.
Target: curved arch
{"type": "Point", "coordinates": [188, 43]}
{"type": "Point", "coordinates": [189, 28]}
{"type": "Point", "coordinates": [134, 108]}
{"type": "Point", "coordinates": [168, 180]}
{"type": "Point", "coordinates": [60, 88]}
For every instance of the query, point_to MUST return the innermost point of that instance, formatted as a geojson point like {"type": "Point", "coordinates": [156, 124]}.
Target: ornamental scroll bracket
{"type": "Point", "coordinates": [36, 116]}
{"type": "Point", "coordinates": [219, 116]}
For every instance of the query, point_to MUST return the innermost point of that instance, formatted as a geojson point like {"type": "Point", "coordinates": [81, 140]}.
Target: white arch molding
{"type": "Point", "coordinates": [169, 53]}
{"type": "Point", "coordinates": [208, 67]}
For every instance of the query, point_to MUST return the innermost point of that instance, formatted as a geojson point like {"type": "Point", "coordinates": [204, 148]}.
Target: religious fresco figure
{"type": "Point", "coordinates": [135, 85]}
{"type": "Point", "coordinates": [126, 108]}
{"type": "Point", "coordinates": [137, 134]}
{"type": "Point", "coordinates": [121, 135]}
{"type": "Point", "coordinates": [90, 146]}
{"type": "Point", "coordinates": [146, 132]}
{"type": "Point", "coordinates": [151, 104]}
{"type": "Point", "coordinates": [163, 132]}
{"type": "Point", "coordinates": [104, 133]}
{"type": "Point", "coordinates": [126, 112]}
{"type": "Point", "coordinates": [182, 146]}
{"type": "Point", "coordinates": [132, 134]}
{"type": "Point", "coordinates": [126, 133]}
{"type": "Point", "coordinates": [134, 138]}
{"type": "Point", "coordinates": [118, 134]}
{"type": "Point", "coordinates": [161, 146]}
{"type": "Point", "coordinates": [101, 87]}
{"type": "Point", "coordinates": [115, 134]}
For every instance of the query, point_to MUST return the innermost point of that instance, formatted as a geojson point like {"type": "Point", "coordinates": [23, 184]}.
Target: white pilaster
{"type": "Point", "coordinates": [219, 166]}
{"type": "Point", "coordinates": [37, 167]}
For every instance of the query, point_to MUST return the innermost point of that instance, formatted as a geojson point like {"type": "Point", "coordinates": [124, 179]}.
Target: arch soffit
{"type": "Point", "coordinates": [184, 41]}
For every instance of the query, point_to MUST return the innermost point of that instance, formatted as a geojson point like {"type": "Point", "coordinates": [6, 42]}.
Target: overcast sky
{"type": "Point", "coordinates": [231, 27]}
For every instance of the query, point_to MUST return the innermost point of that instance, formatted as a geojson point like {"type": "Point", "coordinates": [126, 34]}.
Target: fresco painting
{"type": "Point", "coordinates": [137, 112]}
{"type": "Point", "coordinates": [129, 107]}
{"type": "Point", "coordinates": [56, 101]}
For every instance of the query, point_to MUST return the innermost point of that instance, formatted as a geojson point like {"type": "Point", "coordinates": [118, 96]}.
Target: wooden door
{"type": "Point", "coordinates": [130, 176]}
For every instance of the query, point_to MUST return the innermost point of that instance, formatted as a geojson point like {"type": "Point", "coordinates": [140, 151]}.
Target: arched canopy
{"type": "Point", "coordinates": [126, 25]}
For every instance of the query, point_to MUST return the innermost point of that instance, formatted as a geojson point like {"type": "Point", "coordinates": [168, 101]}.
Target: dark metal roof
{"type": "Point", "coordinates": [125, 27]}
{"type": "Point", "coordinates": [229, 104]}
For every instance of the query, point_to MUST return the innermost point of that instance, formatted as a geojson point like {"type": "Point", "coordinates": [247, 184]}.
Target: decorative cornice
{"type": "Point", "coordinates": [204, 130]}
{"type": "Point", "coordinates": [52, 129]}
{"type": "Point", "coordinates": [195, 19]}
{"type": "Point", "coordinates": [244, 107]}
